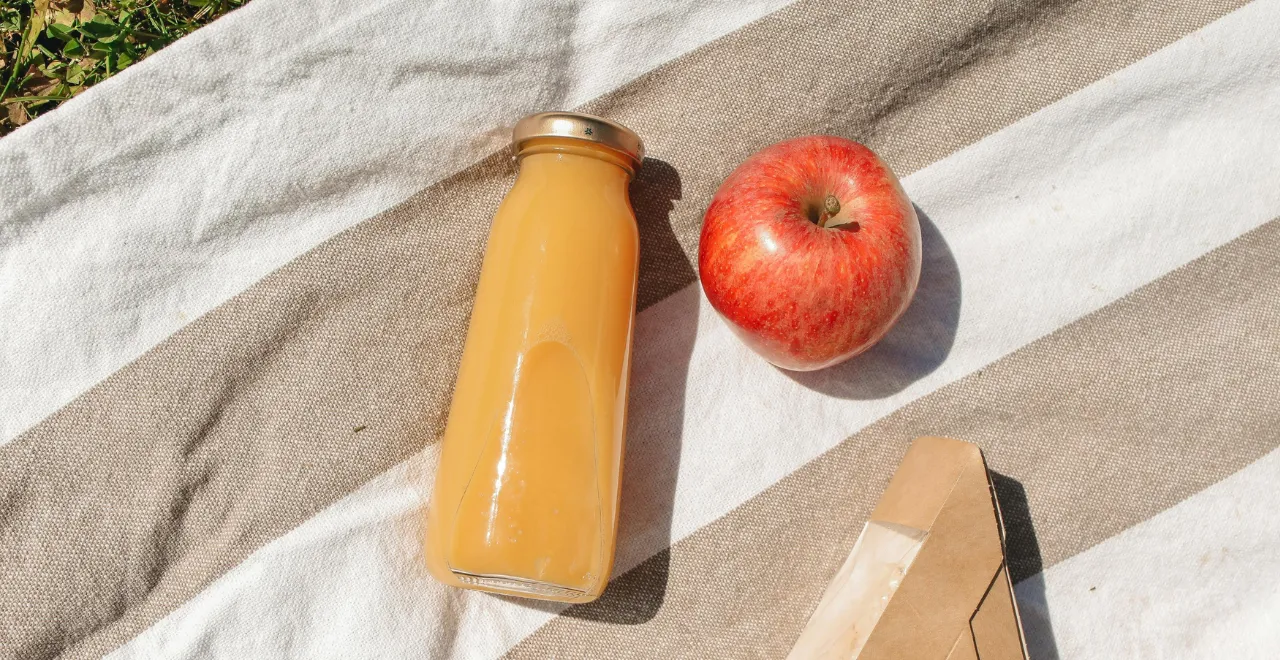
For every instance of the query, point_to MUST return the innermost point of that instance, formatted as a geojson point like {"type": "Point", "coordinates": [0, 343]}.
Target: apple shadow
{"type": "Point", "coordinates": [916, 345]}
{"type": "Point", "coordinates": [1026, 566]}
{"type": "Point", "coordinates": [652, 454]}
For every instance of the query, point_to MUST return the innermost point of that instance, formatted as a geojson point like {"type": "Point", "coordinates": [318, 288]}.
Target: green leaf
{"type": "Point", "coordinates": [73, 49]}
{"type": "Point", "coordinates": [61, 32]}
{"type": "Point", "coordinates": [75, 74]}
{"type": "Point", "coordinates": [99, 27]}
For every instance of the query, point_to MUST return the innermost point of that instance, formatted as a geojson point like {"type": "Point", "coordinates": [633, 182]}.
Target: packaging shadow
{"type": "Point", "coordinates": [1022, 553]}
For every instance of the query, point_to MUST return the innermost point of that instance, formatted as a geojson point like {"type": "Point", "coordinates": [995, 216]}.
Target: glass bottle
{"type": "Point", "coordinates": [525, 500]}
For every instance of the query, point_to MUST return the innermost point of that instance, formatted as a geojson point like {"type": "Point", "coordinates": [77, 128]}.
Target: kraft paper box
{"type": "Point", "coordinates": [927, 578]}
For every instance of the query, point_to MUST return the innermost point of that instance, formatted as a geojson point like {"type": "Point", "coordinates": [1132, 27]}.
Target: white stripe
{"type": "Point", "coordinates": [160, 193]}
{"type": "Point", "coordinates": [1199, 580]}
{"type": "Point", "coordinates": [1048, 220]}
{"type": "Point", "coordinates": [347, 583]}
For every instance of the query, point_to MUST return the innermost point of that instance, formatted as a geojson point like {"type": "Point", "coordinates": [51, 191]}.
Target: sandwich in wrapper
{"type": "Point", "coordinates": [927, 578]}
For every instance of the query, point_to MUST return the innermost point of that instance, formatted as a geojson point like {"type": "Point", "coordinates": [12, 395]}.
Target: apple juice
{"type": "Point", "coordinates": [525, 499]}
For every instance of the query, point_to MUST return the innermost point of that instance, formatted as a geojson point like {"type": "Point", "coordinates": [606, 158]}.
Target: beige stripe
{"type": "Point", "coordinates": [124, 504]}
{"type": "Point", "coordinates": [1104, 423]}
{"type": "Point", "coordinates": [914, 80]}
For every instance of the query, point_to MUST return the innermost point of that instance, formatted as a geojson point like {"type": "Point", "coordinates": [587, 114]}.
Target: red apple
{"type": "Point", "coordinates": [810, 251]}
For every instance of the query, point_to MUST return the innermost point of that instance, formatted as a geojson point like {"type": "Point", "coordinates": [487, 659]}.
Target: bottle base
{"type": "Point", "coordinates": [520, 586]}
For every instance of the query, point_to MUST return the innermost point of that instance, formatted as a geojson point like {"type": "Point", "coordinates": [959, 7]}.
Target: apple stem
{"type": "Point", "coordinates": [832, 206]}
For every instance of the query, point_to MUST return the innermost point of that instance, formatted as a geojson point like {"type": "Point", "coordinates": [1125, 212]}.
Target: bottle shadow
{"type": "Point", "coordinates": [916, 345]}
{"type": "Point", "coordinates": [656, 416]}
{"type": "Point", "coordinates": [1026, 567]}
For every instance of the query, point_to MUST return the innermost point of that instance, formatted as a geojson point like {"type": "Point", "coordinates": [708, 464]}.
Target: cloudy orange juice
{"type": "Point", "coordinates": [525, 500]}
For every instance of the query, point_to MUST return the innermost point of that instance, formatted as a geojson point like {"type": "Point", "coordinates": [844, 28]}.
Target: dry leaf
{"type": "Point", "coordinates": [39, 13]}
{"type": "Point", "coordinates": [82, 9]}
{"type": "Point", "coordinates": [39, 17]}
{"type": "Point", "coordinates": [34, 27]}
{"type": "Point", "coordinates": [17, 114]}
{"type": "Point", "coordinates": [45, 89]}
{"type": "Point", "coordinates": [35, 78]}
{"type": "Point", "coordinates": [73, 7]}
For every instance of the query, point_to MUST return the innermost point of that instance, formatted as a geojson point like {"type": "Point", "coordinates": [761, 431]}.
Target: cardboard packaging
{"type": "Point", "coordinates": [927, 578]}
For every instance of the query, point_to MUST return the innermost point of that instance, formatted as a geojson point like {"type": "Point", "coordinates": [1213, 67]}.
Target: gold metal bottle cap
{"type": "Point", "coordinates": [580, 127]}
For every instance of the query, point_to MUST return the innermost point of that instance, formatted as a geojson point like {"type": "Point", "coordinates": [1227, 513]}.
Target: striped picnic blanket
{"type": "Point", "coordinates": [235, 281]}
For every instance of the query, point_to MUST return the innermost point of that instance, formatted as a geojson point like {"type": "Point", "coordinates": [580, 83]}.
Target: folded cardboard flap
{"type": "Point", "coordinates": [949, 597]}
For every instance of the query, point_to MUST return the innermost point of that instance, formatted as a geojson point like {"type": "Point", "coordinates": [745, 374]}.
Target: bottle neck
{"type": "Point", "coordinates": [590, 159]}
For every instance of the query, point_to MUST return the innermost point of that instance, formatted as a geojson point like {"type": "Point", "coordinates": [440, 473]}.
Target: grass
{"type": "Point", "coordinates": [55, 49]}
